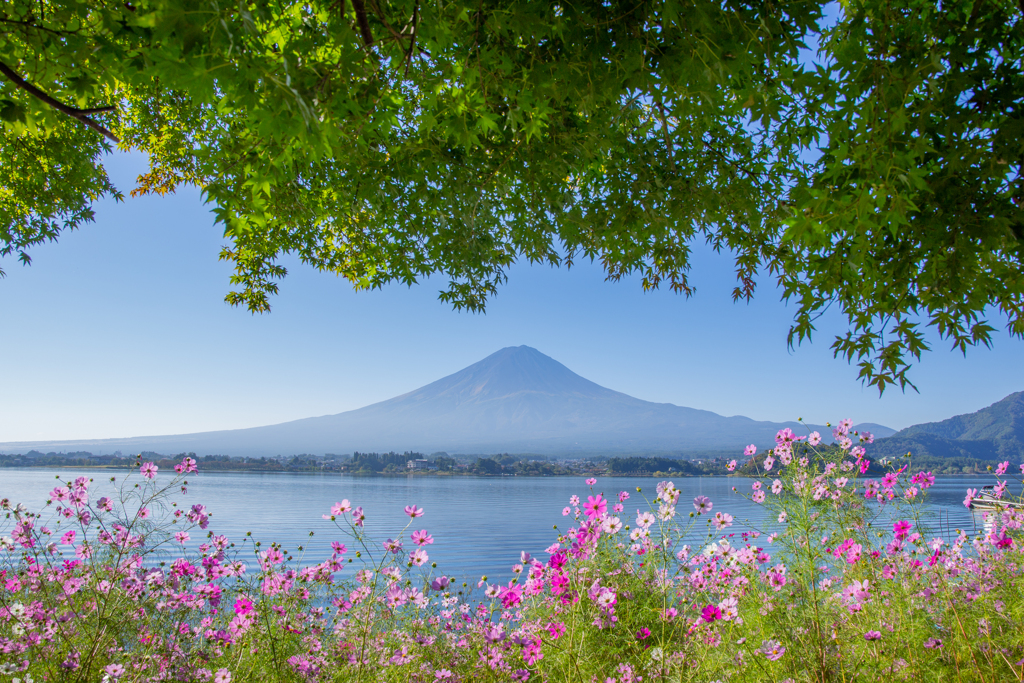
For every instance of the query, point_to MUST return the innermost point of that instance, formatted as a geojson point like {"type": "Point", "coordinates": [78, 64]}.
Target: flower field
{"type": "Point", "coordinates": [639, 585]}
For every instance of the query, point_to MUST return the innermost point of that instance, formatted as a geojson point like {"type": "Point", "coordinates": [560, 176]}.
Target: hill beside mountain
{"type": "Point", "coordinates": [992, 433]}
{"type": "Point", "coordinates": [516, 400]}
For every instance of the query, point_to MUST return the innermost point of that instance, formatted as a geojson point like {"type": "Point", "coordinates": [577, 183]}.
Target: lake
{"type": "Point", "coordinates": [479, 524]}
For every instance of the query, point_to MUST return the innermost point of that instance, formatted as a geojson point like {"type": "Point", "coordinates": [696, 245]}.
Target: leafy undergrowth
{"type": "Point", "coordinates": [840, 585]}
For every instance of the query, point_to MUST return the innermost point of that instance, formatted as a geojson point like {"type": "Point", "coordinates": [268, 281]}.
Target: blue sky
{"type": "Point", "coordinates": [120, 329]}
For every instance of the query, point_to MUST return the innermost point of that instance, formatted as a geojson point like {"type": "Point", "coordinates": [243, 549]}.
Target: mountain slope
{"type": "Point", "coordinates": [515, 400]}
{"type": "Point", "coordinates": [992, 433]}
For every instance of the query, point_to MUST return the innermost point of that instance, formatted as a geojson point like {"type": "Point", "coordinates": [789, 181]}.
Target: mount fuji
{"type": "Point", "coordinates": [516, 400]}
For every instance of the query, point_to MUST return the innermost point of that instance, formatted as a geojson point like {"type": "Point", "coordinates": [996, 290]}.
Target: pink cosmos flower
{"type": "Point", "coordinates": [777, 486]}
{"type": "Point", "coordinates": [872, 635]}
{"type": "Point", "coordinates": [566, 510]}
{"type": "Point", "coordinates": [702, 504]}
{"type": "Point", "coordinates": [722, 520]}
{"type": "Point", "coordinates": [68, 538]}
{"type": "Point", "coordinates": [115, 671]}
{"type": "Point", "coordinates": [611, 525]}
{"type": "Point", "coordinates": [186, 466]}
{"type": "Point", "coordinates": [181, 537]}
{"type": "Point", "coordinates": [732, 465]}
{"type": "Point", "coordinates": [623, 496]}
{"type": "Point", "coordinates": [418, 557]}
{"type": "Point", "coordinates": [643, 633]}
{"type": "Point", "coordinates": [413, 511]}
{"type": "Point", "coordinates": [711, 613]}
{"type": "Point", "coordinates": [595, 506]}
{"type": "Point", "coordinates": [971, 495]}
{"type": "Point", "coordinates": [271, 557]}
{"type": "Point", "coordinates": [148, 470]}
{"type": "Point", "coordinates": [769, 462]}
{"type": "Point", "coordinates": [814, 439]}
{"type": "Point", "coordinates": [358, 516]}
{"type": "Point", "coordinates": [1001, 470]}
{"type": "Point", "coordinates": [933, 643]}
{"type": "Point", "coordinates": [750, 450]}
{"type": "Point", "coordinates": [222, 676]}
{"type": "Point", "coordinates": [757, 496]}
{"type": "Point", "coordinates": [644, 519]}
{"type": "Point", "coordinates": [901, 529]}
{"type": "Point", "coordinates": [341, 508]}
{"type": "Point", "coordinates": [772, 649]}
{"type": "Point", "coordinates": [62, 493]}
{"type": "Point", "coordinates": [618, 507]}
{"type": "Point", "coordinates": [243, 606]}
{"type": "Point", "coordinates": [889, 480]}
{"type": "Point", "coordinates": [422, 537]}
{"type": "Point", "coordinates": [591, 481]}
{"type": "Point", "coordinates": [556, 629]}
{"type": "Point", "coordinates": [864, 465]}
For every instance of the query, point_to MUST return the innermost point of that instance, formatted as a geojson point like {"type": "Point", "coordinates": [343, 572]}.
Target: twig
{"type": "Point", "coordinates": [81, 115]}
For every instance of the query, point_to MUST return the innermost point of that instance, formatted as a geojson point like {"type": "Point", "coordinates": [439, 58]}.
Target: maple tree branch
{"type": "Point", "coordinates": [364, 23]}
{"type": "Point", "coordinates": [81, 115]}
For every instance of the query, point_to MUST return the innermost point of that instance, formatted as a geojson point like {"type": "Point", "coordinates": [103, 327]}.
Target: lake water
{"type": "Point", "coordinates": [479, 524]}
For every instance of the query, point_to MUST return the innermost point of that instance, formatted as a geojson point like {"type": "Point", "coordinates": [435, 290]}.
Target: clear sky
{"type": "Point", "coordinates": [120, 329]}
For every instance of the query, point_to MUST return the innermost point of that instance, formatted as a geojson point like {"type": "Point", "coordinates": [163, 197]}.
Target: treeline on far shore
{"type": "Point", "coordinates": [443, 464]}
{"type": "Point", "coordinates": [391, 463]}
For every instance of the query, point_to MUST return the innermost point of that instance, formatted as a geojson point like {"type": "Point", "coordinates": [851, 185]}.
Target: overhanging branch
{"type": "Point", "coordinates": [81, 115]}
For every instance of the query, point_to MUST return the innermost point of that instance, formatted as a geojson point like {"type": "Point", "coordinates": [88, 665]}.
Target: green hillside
{"type": "Point", "coordinates": [992, 433]}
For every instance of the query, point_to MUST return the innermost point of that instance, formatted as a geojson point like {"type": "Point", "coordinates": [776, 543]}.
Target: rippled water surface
{"type": "Point", "coordinates": [479, 524]}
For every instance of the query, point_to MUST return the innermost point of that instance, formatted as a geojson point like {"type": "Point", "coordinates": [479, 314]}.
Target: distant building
{"type": "Point", "coordinates": [420, 464]}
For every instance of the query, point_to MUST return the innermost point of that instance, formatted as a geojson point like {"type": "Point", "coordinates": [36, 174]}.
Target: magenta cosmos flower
{"type": "Point", "coordinates": [595, 506]}
{"type": "Point", "coordinates": [901, 528]}
{"type": "Point", "coordinates": [148, 470]}
{"type": "Point", "coordinates": [711, 613]}
{"type": "Point", "coordinates": [413, 511]}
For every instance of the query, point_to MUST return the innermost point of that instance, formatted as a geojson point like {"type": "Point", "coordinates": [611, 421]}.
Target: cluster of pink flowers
{"type": "Point", "coordinates": [663, 591]}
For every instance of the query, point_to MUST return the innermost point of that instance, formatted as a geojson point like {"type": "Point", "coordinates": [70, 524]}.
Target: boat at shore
{"type": "Point", "coordinates": [987, 500]}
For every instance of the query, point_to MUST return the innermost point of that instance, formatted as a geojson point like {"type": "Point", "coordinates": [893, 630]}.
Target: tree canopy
{"type": "Point", "coordinates": [870, 161]}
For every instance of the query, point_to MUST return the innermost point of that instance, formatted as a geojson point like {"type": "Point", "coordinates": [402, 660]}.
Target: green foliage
{"type": "Point", "coordinates": [390, 141]}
